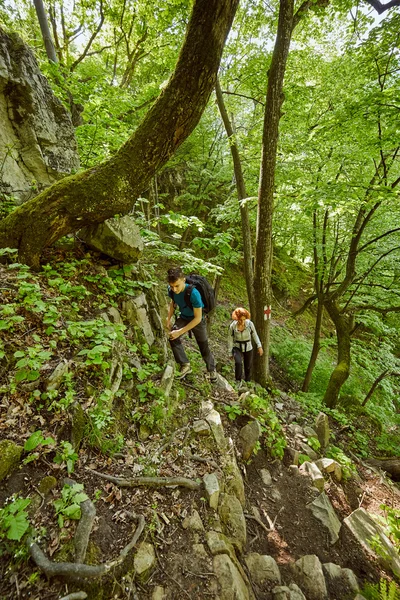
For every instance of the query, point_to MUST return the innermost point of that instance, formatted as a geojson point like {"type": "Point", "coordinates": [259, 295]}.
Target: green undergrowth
{"type": "Point", "coordinates": [377, 422]}
{"type": "Point", "coordinates": [54, 321]}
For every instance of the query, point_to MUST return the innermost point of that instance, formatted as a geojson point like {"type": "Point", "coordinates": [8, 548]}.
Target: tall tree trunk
{"type": "Point", "coordinates": [263, 262]}
{"type": "Point", "coordinates": [112, 187]}
{"type": "Point", "coordinates": [316, 346]}
{"type": "Point", "coordinates": [44, 28]}
{"type": "Point", "coordinates": [344, 325]}
{"type": "Point", "coordinates": [241, 192]}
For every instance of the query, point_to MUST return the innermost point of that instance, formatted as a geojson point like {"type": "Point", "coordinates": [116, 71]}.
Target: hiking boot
{"type": "Point", "coordinates": [213, 376]}
{"type": "Point", "coordinates": [185, 370]}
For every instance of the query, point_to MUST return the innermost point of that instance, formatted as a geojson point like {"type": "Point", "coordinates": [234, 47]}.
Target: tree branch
{"type": "Point", "coordinates": [381, 8]}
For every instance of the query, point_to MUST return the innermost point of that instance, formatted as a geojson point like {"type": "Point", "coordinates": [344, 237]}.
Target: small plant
{"type": "Point", "coordinates": [14, 522]}
{"type": "Point", "coordinates": [35, 440]}
{"type": "Point", "coordinates": [233, 411]}
{"type": "Point", "coordinates": [30, 362]}
{"type": "Point", "coordinates": [391, 523]}
{"type": "Point", "coordinates": [68, 506]}
{"type": "Point", "coordinates": [314, 443]}
{"type": "Point", "coordinates": [383, 590]}
{"type": "Point", "coordinates": [67, 455]}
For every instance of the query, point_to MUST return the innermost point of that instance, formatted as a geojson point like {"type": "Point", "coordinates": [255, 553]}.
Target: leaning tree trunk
{"type": "Point", "coordinates": [263, 262]}
{"type": "Point", "coordinates": [344, 325]}
{"type": "Point", "coordinates": [112, 187]}
{"type": "Point", "coordinates": [45, 29]}
{"type": "Point", "coordinates": [316, 346]}
{"type": "Point", "coordinates": [241, 192]}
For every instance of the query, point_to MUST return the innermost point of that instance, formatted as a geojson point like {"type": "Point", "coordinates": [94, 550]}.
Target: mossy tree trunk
{"type": "Point", "coordinates": [112, 187]}
{"type": "Point", "coordinates": [344, 324]}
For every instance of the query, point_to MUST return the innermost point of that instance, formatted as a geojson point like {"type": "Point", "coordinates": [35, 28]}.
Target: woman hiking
{"type": "Point", "coordinates": [240, 348]}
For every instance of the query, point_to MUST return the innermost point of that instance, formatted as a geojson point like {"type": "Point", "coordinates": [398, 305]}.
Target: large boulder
{"type": "Point", "coordinates": [117, 237]}
{"type": "Point", "coordinates": [37, 140]}
{"type": "Point", "coordinates": [372, 538]}
{"type": "Point", "coordinates": [323, 510]}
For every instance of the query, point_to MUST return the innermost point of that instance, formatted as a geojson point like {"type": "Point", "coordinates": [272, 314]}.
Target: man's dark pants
{"type": "Point", "coordinates": [247, 358]}
{"type": "Point", "coordinates": [200, 333]}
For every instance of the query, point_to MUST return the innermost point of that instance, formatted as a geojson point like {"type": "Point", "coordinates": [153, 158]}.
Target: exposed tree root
{"type": "Point", "coordinates": [80, 573]}
{"type": "Point", "coordinates": [75, 596]}
{"type": "Point", "coordinates": [149, 481]}
{"type": "Point", "coordinates": [84, 528]}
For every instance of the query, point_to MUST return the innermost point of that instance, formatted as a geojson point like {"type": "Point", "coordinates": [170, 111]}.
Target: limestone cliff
{"type": "Point", "coordinates": [37, 143]}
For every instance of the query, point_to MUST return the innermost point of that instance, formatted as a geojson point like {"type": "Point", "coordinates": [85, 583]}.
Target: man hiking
{"type": "Point", "coordinates": [190, 319]}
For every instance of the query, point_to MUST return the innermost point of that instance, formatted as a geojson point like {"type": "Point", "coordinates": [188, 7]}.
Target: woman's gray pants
{"type": "Point", "coordinates": [200, 333]}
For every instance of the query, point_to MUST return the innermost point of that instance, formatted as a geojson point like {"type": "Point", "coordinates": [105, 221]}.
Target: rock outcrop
{"type": "Point", "coordinates": [37, 141]}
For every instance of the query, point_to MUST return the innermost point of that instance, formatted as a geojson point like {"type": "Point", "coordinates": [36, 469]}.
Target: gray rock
{"type": "Point", "coordinates": [266, 477]}
{"type": "Point", "coordinates": [201, 427]}
{"type": "Point", "coordinates": [211, 486]}
{"type": "Point", "coordinates": [346, 576]}
{"type": "Point", "coordinates": [200, 550]}
{"type": "Point", "coordinates": [275, 494]}
{"type": "Point", "coordinates": [369, 534]}
{"type": "Point", "coordinates": [213, 418]}
{"type": "Point", "coordinates": [10, 455]}
{"type": "Point", "coordinates": [293, 592]}
{"type": "Point", "coordinates": [311, 577]}
{"type": "Point", "coordinates": [306, 449]}
{"type": "Point", "coordinates": [193, 522]}
{"type": "Point", "coordinates": [116, 237]}
{"type": "Point", "coordinates": [232, 520]}
{"type": "Point", "coordinates": [263, 570]}
{"type": "Point", "coordinates": [328, 465]}
{"type": "Point", "coordinates": [223, 384]}
{"type": "Point", "coordinates": [312, 471]}
{"type": "Point", "coordinates": [114, 314]}
{"type": "Point", "coordinates": [159, 593]}
{"type": "Point", "coordinates": [55, 379]}
{"type": "Point", "coordinates": [231, 585]}
{"type": "Point", "coordinates": [322, 429]}
{"type": "Point", "coordinates": [310, 432]}
{"type": "Point", "coordinates": [233, 477]}
{"type": "Point", "coordinates": [322, 510]}
{"type": "Point", "coordinates": [295, 429]}
{"type": "Point", "coordinates": [37, 139]}
{"type": "Point", "coordinates": [249, 436]}
{"type": "Point", "coordinates": [167, 380]}
{"type": "Point", "coordinates": [144, 561]}
{"type": "Point", "coordinates": [136, 313]}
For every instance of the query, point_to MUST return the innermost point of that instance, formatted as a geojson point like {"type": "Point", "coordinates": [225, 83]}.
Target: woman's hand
{"type": "Point", "coordinates": [260, 351]}
{"type": "Point", "coordinates": [175, 334]}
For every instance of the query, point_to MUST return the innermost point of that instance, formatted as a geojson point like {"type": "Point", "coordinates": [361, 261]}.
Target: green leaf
{"type": "Point", "coordinates": [72, 512]}
{"type": "Point", "coordinates": [19, 524]}
{"type": "Point", "coordinates": [33, 441]}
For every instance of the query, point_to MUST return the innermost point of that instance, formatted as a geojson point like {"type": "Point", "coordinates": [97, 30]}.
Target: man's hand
{"type": "Point", "coordinates": [260, 351]}
{"type": "Point", "coordinates": [175, 334]}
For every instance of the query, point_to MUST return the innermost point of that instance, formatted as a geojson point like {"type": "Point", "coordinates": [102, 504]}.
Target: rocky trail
{"type": "Point", "coordinates": [212, 524]}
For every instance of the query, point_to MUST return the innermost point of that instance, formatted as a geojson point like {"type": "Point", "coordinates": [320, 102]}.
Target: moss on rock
{"type": "Point", "coordinates": [10, 456]}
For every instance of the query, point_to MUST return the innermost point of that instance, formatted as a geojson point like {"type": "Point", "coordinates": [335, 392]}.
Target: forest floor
{"type": "Point", "coordinates": [179, 569]}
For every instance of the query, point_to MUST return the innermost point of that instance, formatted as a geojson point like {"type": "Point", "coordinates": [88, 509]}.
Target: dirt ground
{"type": "Point", "coordinates": [182, 571]}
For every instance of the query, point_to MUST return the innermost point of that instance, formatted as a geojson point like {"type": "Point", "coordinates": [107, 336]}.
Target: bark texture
{"type": "Point", "coordinates": [263, 257]}
{"type": "Point", "coordinates": [241, 192]}
{"type": "Point", "coordinates": [344, 325]}
{"type": "Point", "coordinates": [113, 186]}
